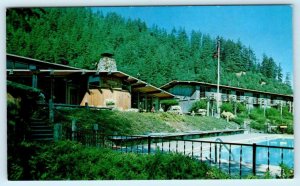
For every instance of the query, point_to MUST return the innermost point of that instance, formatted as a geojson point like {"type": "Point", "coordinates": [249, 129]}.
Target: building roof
{"type": "Point", "coordinates": [57, 70]}
{"type": "Point", "coordinates": [137, 84]}
{"type": "Point", "coordinates": [175, 82]}
{"type": "Point", "coordinates": [40, 63]}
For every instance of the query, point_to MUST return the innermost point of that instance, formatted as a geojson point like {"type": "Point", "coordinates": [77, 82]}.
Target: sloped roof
{"type": "Point", "coordinates": [39, 63]}
{"type": "Point", "coordinates": [175, 82]}
{"type": "Point", "coordinates": [64, 70]}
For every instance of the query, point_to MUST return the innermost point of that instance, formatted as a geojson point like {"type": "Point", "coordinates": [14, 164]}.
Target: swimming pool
{"type": "Point", "coordinates": [276, 155]}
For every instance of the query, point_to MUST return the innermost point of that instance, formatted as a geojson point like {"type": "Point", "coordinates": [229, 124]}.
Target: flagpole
{"type": "Point", "coordinates": [218, 81]}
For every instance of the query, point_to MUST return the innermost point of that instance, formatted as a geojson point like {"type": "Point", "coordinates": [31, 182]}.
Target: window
{"type": "Point", "coordinates": [19, 65]}
{"type": "Point", "coordinates": [94, 81]}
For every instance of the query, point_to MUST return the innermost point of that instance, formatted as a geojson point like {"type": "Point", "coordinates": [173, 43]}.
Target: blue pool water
{"type": "Point", "coordinates": [275, 155]}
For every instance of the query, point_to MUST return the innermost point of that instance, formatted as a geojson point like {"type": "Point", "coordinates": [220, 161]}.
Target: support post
{"type": "Point", "coordinates": [281, 110]}
{"type": "Point", "coordinates": [156, 102]}
{"type": "Point", "coordinates": [264, 108]}
{"type": "Point", "coordinates": [149, 144]}
{"type": "Point", "coordinates": [216, 155]}
{"type": "Point", "coordinates": [51, 111]}
{"type": "Point", "coordinates": [138, 101]}
{"type": "Point", "coordinates": [34, 80]}
{"type": "Point", "coordinates": [235, 107]}
{"type": "Point", "coordinates": [254, 159]}
{"type": "Point", "coordinates": [51, 101]}
{"type": "Point", "coordinates": [218, 82]}
{"type": "Point", "coordinates": [207, 111]}
{"type": "Point", "coordinates": [146, 103]}
{"type": "Point", "coordinates": [57, 132]}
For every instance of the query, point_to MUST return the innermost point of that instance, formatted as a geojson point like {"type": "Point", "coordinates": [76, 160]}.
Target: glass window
{"type": "Point", "coordinates": [19, 65]}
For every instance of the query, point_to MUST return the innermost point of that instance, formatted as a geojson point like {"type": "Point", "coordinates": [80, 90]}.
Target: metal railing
{"type": "Point", "coordinates": [237, 159]}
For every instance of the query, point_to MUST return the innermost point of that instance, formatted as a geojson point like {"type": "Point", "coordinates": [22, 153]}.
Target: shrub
{"type": "Point", "coordinates": [168, 103]}
{"type": "Point", "coordinates": [257, 125]}
{"type": "Point", "coordinates": [239, 120]}
{"type": "Point", "coordinates": [202, 104]}
{"type": "Point", "coordinates": [272, 112]}
{"type": "Point", "coordinates": [256, 113]}
{"type": "Point", "coordinates": [286, 172]}
{"type": "Point", "coordinates": [286, 114]}
{"type": "Point", "coordinates": [240, 108]}
{"type": "Point", "coordinates": [228, 107]}
{"type": "Point", "coordinates": [67, 160]}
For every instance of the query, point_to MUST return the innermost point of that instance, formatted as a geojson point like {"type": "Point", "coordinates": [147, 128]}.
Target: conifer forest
{"type": "Point", "coordinates": [77, 37]}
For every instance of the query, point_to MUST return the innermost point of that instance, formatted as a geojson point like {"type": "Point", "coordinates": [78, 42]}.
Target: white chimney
{"type": "Point", "coordinates": [107, 63]}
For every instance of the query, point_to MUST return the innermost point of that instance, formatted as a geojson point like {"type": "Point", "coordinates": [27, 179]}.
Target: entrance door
{"type": "Point", "coordinates": [72, 94]}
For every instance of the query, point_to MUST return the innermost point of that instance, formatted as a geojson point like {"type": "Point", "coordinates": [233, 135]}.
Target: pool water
{"type": "Point", "coordinates": [262, 153]}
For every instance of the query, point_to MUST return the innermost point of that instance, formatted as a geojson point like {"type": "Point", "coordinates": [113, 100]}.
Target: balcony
{"type": "Point", "coordinates": [224, 97]}
{"type": "Point", "coordinates": [232, 97]}
{"type": "Point", "coordinates": [241, 98]}
{"type": "Point", "coordinates": [255, 100]}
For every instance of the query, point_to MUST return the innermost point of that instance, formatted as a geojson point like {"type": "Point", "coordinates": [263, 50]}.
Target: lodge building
{"type": "Point", "coordinates": [188, 92]}
{"type": "Point", "coordinates": [66, 85]}
{"type": "Point", "coordinates": [106, 86]}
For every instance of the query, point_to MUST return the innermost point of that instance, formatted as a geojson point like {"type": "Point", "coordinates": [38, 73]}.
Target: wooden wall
{"type": "Point", "coordinates": [98, 98]}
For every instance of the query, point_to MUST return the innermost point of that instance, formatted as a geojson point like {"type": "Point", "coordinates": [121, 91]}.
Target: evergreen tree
{"type": "Point", "coordinates": [287, 80]}
{"type": "Point", "coordinates": [78, 36]}
{"type": "Point", "coordinates": [279, 73]}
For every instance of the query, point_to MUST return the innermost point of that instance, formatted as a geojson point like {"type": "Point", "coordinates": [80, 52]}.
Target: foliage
{"type": "Point", "coordinates": [227, 107]}
{"type": "Point", "coordinates": [202, 104]}
{"type": "Point", "coordinates": [158, 56]}
{"type": "Point", "coordinates": [256, 113]}
{"type": "Point", "coordinates": [208, 123]}
{"type": "Point", "coordinates": [68, 160]}
{"type": "Point", "coordinates": [168, 103]}
{"type": "Point", "coordinates": [112, 122]}
{"type": "Point", "coordinates": [239, 120]}
{"type": "Point", "coordinates": [273, 117]}
{"type": "Point", "coordinates": [240, 108]}
{"type": "Point", "coordinates": [287, 172]}
{"type": "Point", "coordinates": [21, 104]}
{"type": "Point", "coordinates": [257, 126]}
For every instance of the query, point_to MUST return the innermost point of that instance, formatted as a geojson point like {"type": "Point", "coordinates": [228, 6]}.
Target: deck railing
{"type": "Point", "coordinates": [237, 159]}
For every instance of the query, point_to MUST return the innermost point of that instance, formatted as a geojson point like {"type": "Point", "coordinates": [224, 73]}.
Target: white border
{"type": "Point", "coordinates": [31, 3]}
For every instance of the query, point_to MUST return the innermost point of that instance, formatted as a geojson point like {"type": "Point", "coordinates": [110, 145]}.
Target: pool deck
{"type": "Point", "coordinates": [247, 138]}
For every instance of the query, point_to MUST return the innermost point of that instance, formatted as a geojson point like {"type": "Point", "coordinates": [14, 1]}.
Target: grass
{"type": "Point", "coordinates": [139, 123]}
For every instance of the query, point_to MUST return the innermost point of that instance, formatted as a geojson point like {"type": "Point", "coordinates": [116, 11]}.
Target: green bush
{"type": "Point", "coordinates": [168, 103]}
{"type": "Point", "coordinates": [239, 120]}
{"type": "Point", "coordinates": [256, 113]}
{"type": "Point", "coordinates": [66, 160]}
{"type": "Point", "coordinates": [240, 108]}
{"type": "Point", "coordinates": [202, 104]}
{"type": "Point", "coordinates": [258, 125]}
{"type": "Point", "coordinates": [228, 107]}
{"type": "Point", "coordinates": [286, 114]}
{"type": "Point", "coordinates": [272, 112]}
{"type": "Point", "coordinates": [287, 172]}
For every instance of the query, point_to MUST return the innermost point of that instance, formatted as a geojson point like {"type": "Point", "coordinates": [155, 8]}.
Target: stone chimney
{"type": "Point", "coordinates": [107, 63]}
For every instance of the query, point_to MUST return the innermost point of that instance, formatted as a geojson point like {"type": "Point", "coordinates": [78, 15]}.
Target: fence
{"type": "Point", "coordinates": [236, 159]}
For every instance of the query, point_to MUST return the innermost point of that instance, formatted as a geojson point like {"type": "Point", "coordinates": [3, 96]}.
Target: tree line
{"type": "Point", "coordinates": [77, 37]}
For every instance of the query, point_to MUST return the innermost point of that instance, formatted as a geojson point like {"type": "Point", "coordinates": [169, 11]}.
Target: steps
{"type": "Point", "coordinates": [40, 130]}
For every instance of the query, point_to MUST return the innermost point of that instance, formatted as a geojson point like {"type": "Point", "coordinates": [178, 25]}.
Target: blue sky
{"type": "Point", "coordinates": [266, 29]}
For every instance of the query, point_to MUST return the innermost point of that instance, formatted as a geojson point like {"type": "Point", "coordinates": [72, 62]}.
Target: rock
{"type": "Point", "coordinates": [227, 115]}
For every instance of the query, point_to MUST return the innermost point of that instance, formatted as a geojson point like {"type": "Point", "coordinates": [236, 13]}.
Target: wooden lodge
{"type": "Point", "coordinates": [188, 92]}
{"type": "Point", "coordinates": [104, 88]}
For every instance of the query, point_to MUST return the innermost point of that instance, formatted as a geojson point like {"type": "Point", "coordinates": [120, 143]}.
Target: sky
{"type": "Point", "coordinates": [266, 29]}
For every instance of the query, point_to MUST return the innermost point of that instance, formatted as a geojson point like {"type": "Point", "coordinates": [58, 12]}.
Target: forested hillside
{"type": "Point", "coordinates": [77, 37]}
